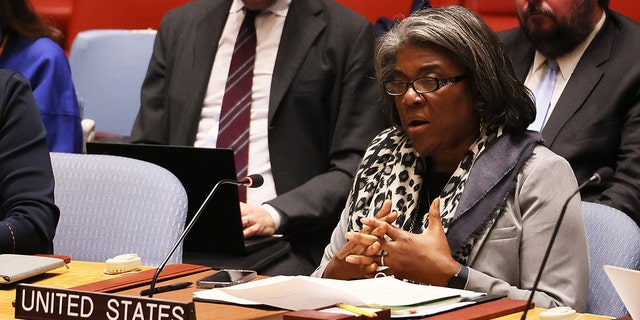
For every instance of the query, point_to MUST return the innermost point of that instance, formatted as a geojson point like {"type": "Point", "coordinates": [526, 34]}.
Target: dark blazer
{"type": "Point", "coordinates": [323, 111]}
{"type": "Point", "coordinates": [28, 215]}
{"type": "Point", "coordinates": [596, 121]}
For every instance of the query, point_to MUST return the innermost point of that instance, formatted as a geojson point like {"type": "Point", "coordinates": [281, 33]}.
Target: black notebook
{"type": "Point", "coordinates": [219, 228]}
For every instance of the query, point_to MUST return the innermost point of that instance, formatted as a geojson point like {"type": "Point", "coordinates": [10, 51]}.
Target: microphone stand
{"type": "Point", "coordinates": [547, 253]}
{"type": "Point", "coordinates": [597, 177]}
{"type": "Point", "coordinates": [187, 229]}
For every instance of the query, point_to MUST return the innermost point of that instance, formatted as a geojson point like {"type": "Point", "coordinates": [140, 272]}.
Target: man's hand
{"type": "Point", "coordinates": [256, 221]}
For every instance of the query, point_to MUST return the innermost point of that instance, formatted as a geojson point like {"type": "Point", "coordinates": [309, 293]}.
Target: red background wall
{"type": "Point", "coordinates": [73, 16]}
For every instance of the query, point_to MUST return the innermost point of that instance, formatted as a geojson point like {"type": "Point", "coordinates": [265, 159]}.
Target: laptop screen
{"type": "Point", "coordinates": [219, 228]}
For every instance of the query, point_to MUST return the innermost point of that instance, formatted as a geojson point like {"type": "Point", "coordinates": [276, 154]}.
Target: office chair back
{"type": "Point", "coordinates": [108, 67]}
{"type": "Point", "coordinates": [113, 205]}
{"type": "Point", "coordinates": [115, 14]}
{"type": "Point", "coordinates": [614, 239]}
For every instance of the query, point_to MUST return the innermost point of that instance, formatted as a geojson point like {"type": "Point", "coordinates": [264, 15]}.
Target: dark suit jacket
{"type": "Point", "coordinates": [596, 121]}
{"type": "Point", "coordinates": [323, 111]}
{"type": "Point", "coordinates": [28, 215]}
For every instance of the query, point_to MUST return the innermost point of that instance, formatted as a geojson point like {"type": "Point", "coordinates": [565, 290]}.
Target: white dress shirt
{"type": "Point", "coordinates": [269, 25]}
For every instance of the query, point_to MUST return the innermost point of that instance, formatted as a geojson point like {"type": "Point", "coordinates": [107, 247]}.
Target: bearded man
{"type": "Point", "coordinates": [580, 59]}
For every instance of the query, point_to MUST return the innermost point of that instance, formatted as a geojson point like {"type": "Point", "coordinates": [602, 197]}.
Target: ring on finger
{"type": "Point", "coordinates": [382, 267]}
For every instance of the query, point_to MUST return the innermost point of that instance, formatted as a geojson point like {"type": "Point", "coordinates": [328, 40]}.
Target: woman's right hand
{"type": "Point", "coordinates": [357, 260]}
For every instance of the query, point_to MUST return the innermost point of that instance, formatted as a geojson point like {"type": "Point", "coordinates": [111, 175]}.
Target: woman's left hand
{"type": "Point", "coordinates": [424, 258]}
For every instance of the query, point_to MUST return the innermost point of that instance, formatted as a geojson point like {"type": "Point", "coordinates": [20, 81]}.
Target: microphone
{"type": "Point", "coordinates": [600, 175]}
{"type": "Point", "coordinates": [251, 181]}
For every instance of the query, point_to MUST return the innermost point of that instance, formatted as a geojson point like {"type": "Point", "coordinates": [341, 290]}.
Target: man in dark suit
{"type": "Point", "coordinates": [594, 115]}
{"type": "Point", "coordinates": [314, 102]}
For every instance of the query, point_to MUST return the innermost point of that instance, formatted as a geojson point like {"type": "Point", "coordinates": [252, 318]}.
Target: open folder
{"type": "Point", "coordinates": [303, 292]}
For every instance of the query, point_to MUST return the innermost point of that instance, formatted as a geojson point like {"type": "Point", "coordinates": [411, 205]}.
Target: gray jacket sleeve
{"type": "Point", "coordinates": [506, 260]}
{"type": "Point", "coordinates": [337, 241]}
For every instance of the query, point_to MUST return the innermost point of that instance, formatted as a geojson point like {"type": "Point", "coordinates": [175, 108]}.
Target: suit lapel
{"type": "Point", "coordinates": [572, 98]}
{"type": "Point", "coordinates": [200, 52]}
{"type": "Point", "coordinates": [301, 29]}
{"type": "Point", "coordinates": [207, 36]}
{"type": "Point", "coordinates": [522, 57]}
{"type": "Point", "coordinates": [582, 82]}
{"type": "Point", "coordinates": [490, 182]}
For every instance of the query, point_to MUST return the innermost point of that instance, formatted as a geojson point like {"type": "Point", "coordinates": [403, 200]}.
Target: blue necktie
{"type": "Point", "coordinates": [543, 94]}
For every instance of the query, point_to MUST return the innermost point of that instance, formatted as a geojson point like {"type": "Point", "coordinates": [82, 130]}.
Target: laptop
{"type": "Point", "coordinates": [219, 228]}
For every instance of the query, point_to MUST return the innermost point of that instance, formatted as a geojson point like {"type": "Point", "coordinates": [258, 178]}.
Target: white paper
{"type": "Point", "coordinates": [302, 292]}
{"type": "Point", "coordinates": [627, 284]}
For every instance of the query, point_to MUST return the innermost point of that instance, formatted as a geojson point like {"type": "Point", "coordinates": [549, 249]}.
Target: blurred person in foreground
{"type": "Point", "coordinates": [28, 47]}
{"type": "Point", "coordinates": [28, 216]}
{"type": "Point", "coordinates": [459, 193]}
{"type": "Point", "coordinates": [593, 117]}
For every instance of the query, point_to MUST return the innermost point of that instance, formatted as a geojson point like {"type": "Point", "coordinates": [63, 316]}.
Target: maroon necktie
{"type": "Point", "coordinates": [236, 104]}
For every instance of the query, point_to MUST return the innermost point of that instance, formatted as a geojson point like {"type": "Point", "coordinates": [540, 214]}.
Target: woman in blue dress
{"type": "Point", "coordinates": [27, 46]}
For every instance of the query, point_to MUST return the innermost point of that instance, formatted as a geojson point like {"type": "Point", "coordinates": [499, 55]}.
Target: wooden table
{"type": "Point", "coordinates": [534, 314]}
{"type": "Point", "coordinates": [80, 273]}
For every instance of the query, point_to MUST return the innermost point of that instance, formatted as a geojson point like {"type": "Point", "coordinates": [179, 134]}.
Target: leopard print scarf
{"type": "Point", "coordinates": [392, 169]}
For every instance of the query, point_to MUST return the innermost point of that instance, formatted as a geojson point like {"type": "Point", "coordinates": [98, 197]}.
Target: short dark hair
{"type": "Point", "coordinates": [502, 98]}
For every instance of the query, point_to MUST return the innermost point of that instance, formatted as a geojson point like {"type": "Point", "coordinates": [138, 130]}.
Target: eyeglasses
{"type": "Point", "coordinates": [423, 85]}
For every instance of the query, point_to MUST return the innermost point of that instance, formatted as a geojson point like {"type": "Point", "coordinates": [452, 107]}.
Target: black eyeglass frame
{"type": "Point", "coordinates": [439, 84]}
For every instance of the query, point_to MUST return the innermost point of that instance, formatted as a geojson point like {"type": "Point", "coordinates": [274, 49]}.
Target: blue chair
{"type": "Point", "coordinates": [112, 205]}
{"type": "Point", "coordinates": [108, 68]}
{"type": "Point", "coordinates": [614, 239]}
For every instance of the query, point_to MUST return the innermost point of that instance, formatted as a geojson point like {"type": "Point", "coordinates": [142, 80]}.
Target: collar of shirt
{"type": "Point", "coordinates": [568, 62]}
{"type": "Point", "coordinates": [280, 7]}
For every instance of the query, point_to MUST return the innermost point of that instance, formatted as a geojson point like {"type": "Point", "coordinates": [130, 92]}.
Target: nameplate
{"type": "Point", "coordinates": [37, 302]}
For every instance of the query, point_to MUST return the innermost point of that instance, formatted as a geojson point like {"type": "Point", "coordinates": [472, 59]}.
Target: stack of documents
{"type": "Point", "coordinates": [302, 292]}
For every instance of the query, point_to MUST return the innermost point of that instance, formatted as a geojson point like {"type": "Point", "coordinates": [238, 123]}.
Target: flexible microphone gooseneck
{"type": "Point", "coordinates": [252, 181]}
{"type": "Point", "coordinates": [600, 175]}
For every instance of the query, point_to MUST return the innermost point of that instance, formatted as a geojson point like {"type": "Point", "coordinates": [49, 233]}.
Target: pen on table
{"type": "Point", "coordinates": [483, 298]}
{"type": "Point", "coordinates": [170, 287]}
{"type": "Point", "coordinates": [356, 310]}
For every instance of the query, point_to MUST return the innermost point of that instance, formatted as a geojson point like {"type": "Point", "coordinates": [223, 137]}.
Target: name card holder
{"type": "Point", "coordinates": [40, 303]}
